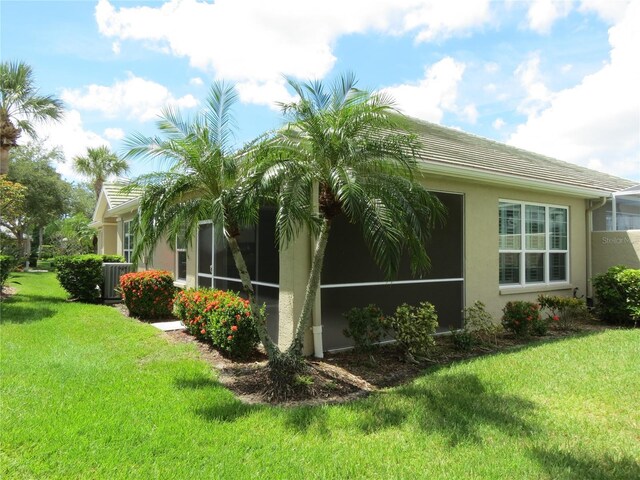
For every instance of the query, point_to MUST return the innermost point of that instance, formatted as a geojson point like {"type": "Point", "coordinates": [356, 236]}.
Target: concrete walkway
{"type": "Point", "coordinates": [169, 326]}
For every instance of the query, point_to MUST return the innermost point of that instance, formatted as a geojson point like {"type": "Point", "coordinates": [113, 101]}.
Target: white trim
{"type": "Point", "coordinates": [237, 280]}
{"type": "Point", "coordinates": [396, 282]}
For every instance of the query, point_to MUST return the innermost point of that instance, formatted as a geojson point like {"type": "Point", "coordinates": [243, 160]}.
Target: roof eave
{"type": "Point", "coordinates": [126, 207]}
{"type": "Point", "coordinates": [497, 178]}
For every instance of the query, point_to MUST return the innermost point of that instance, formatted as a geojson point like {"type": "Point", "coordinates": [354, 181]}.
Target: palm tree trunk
{"type": "Point", "coordinates": [260, 321]}
{"type": "Point", "coordinates": [312, 289]}
{"type": "Point", "coordinates": [4, 160]}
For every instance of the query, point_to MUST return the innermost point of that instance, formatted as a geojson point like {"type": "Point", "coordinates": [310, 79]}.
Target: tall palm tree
{"type": "Point", "coordinates": [99, 164]}
{"type": "Point", "coordinates": [202, 182]}
{"type": "Point", "coordinates": [348, 146]}
{"type": "Point", "coordinates": [21, 107]}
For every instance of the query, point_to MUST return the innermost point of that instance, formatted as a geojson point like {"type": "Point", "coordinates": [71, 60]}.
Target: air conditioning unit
{"type": "Point", "coordinates": [111, 273]}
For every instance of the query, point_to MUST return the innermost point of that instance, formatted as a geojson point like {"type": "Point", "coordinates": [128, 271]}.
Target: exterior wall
{"type": "Point", "coordinates": [615, 248]}
{"type": "Point", "coordinates": [481, 242]}
{"type": "Point", "coordinates": [109, 239]}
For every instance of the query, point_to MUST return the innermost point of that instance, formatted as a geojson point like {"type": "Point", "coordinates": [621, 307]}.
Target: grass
{"type": "Point", "coordinates": [87, 393]}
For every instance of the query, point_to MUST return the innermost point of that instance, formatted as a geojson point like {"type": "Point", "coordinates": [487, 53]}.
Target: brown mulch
{"type": "Point", "coordinates": [344, 376]}
{"type": "Point", "coordinates": [7, 292]}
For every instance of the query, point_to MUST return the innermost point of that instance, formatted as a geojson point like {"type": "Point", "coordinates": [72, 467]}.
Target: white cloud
{"type": "Point", "coordinates": [114, 133]}
{"type": "Point", "coordinates": [115, 47]}
{"type": "Point", "coordinates": [71, 136]}
{"type": "Point", "coordinates": [442, 19]}
{"type": "Point", "coordinates": [566, 68]}
{"type": "Point", "coordinates": [434, 94]}
{"type": "Point", "coordinates": [498, 123]}
{"type": "Point", "coordinates": [260, 40]}
{"type": "Point", "coordinates": [538, 95]}
{"type": "Point", "coordinates": [543, 13]}
{"type": "Point", "coordinates": [133, 98]}
{"type": "Point", "coordinates": [596, 122]}
{"type": "Point", "coordinates": [197, 81]}
{"type": "Point", "coordinates": [470, 113]}
{"type": "Point", "coordinates": [264, 93]}
{"type": "Point", "coordinates": [491, 67]}
{"type": "Point", "coordinates": [609, 10]}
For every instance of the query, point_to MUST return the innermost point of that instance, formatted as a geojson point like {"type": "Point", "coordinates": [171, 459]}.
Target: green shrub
{"type": "Point", "coordinates": [112, 258]}
{"type": "Point", "coordinates": [618, 295]}
{"type": "Point", "coordinates": [7, 264]}
{"type": "Point", "coordinates": [365, 326]}
{"type": "Point", "coordinates": [563, 313]}
{"type": "Point", "coordinates": [523, 318]}
{"type": "Point", "coordinates": [462, 339]}
{"type": "Point", "coordinates": [222, 317]}
{"type": "Point", "coordinates": [481, 324]}
{"type": "Point", "coordinates": [80, 276]}
{"type": "Point", "coordinates": [148, 294]}
{"type": "Point", "coordinates": [413, 328]}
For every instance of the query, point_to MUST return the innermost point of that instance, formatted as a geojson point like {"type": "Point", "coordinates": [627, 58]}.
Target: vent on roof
{"type": "Point", "coordinates": [111, 273]}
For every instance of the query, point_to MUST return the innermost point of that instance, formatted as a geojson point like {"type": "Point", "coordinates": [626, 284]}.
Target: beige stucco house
{"type": "Point", "coordinates": [518, 224]}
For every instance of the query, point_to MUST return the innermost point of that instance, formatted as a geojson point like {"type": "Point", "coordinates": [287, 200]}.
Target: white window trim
{"type": "Point", "coordinates": [126, 232]}
{"type": "Point", "coordinates": [177, 263]}
{"type": "Point", "coordinates": [547, 284]}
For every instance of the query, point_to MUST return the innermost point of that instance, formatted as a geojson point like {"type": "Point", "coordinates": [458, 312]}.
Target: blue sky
{"type": "Point", "coordinates": [558, 78]}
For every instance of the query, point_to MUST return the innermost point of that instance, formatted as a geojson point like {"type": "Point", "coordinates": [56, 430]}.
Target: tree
{"type": "Point", "coordinates": [348, 146]}
{"type": "Point", "coordinates": [13, 210]}
{"type": "Point", "coordinates": [203, 182]}
{"type": "Point", "coordinates": [98, 164]}
{"type": "Point", "coordinates": [21, 107]}
{"type": "Point", "coordinates": [46, 193]}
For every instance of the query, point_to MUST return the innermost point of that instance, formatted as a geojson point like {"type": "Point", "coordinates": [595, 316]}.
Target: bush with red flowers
{"type": "Point", "coordinates": [148, 294]}
{"type": "Point", "coordinates": [220, 316]}
{"type": "Point", "coordinates": [523, 319]}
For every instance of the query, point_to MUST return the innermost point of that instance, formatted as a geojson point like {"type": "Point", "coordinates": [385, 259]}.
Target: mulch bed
{"type": "Point", "coordinates": [347, 375]}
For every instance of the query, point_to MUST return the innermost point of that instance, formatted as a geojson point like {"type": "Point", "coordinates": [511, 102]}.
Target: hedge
{"type": "Point", "coordinates": [148, 294]}
{"type": "Point", "coordinates": [81, 275]}
{"type": "Point", "coordinates": [618, 295]}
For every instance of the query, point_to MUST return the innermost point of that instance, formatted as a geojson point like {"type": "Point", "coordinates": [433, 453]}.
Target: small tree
{"type": "Point", "coordinates": [21, 107]}
{"type": "Point", "coordinates": [99, 164]}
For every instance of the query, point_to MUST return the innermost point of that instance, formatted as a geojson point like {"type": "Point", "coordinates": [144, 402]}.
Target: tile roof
{"type": "Point", "coordinates": [442, 146]}
{"type": "Point", "coordinates": [115, 197]}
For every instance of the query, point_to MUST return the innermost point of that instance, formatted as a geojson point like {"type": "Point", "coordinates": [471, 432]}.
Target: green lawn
{"type": "Point", "coordinates": [87, 393]}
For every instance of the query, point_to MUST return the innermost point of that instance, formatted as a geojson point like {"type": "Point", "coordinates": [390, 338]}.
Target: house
{"type": "Point", "coordinates": [518, 224]}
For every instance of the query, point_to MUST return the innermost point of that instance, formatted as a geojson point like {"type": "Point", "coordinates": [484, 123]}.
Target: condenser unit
{"type": "Point", "coordinates": [111, 273]}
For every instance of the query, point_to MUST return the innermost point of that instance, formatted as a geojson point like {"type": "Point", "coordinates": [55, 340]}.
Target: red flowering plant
{"type": "Point", "coordinates": [563, 313]}
{"type": "Point", "coordinates": [523, 318]}
{"type": "Point", "coordinates": [222, 317]}
{"type": "Point", "coordinates": [148, 294]}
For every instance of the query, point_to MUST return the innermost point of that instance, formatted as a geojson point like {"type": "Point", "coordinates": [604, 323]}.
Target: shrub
{"type": "Point", "coordinates": [462, 339]}
{"type": "Point", "coordinates": [366, 327]}
{"type": "Point", "coordinates": [112, 258]}
{"type": "Point", "coordinates": [413, 328]}
{"type": "Point", "coordinates": [148, 294]}
{"type": "Point", "coordinates": [7, 263]}
{"type": "Point", "coordinates": [222, 317]}
{"type": "Point", "coordinates": [618, 295]}
{"type": "Point", "coordinates": [563, 312]}
{"type": "Point", "coordinates": [523, 318]}
{"type": "Point", "coordinates": [80, 276]}
{"type": "Point", "coordinates": [481, 324]}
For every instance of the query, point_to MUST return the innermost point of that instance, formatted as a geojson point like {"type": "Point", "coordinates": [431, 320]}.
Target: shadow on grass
{"type": "Point", "coordinates": [458, 407]}
{"type": "Point", "coordinates": [223, 406]}
{"type": "Point", "coordinates": [27, 308]}
{"type": "Point", "coordinates": [573, 467]}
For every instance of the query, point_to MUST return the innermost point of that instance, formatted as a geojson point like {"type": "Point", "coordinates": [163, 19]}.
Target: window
{"type": "Point", "coordinates": [181, 257]}
{"type": "Point", "coordinates": [127, 241]}
{"type": "Point", "coordinates": [534, 246]}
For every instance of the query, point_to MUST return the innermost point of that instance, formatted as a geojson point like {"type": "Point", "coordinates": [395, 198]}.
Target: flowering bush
{"type": "Point", "coordinates": [563, 312]}
{"type": "Point", "coordinates": [523, 318]}
{"type": "Point", "coordinates": [413, 327]}
{"type": "Point", "coordinates": [220, 316]}
{"type": "Point", "coordinates": [366, 327]}
{"type": "Point", "coordinates": [148, 294]}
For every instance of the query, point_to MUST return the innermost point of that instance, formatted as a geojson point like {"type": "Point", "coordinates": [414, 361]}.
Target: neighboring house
{"type": "Point", "coordinates": [518, 224]}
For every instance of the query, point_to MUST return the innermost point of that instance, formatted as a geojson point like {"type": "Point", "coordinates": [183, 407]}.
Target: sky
{"type": "Point", "coordinates": [560, 78]}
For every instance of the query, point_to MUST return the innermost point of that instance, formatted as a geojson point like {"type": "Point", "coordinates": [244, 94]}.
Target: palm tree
{"type": "Point", "coordinates": [347, 146]}
{"type": "Point", "coordinates": [98, 164]}
{"type": "Point", "coordinates": [202, 182]}
{"type": "Point", "coordinates": [21, 107]}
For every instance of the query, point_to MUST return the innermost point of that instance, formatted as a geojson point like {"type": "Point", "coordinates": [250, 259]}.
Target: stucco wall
{"type": "Point", "coordinates": [481, 241]}
{"type": "Point", "coordinates": [615, 248]}
{"type": "Point", "coordinates": [109, 239]}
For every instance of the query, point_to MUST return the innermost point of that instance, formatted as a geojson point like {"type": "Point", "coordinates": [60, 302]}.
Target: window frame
{"type": "Point", "coordinates": [525, 249]}
{"type": "Point", "coordinates": [179, 250]}
{"type": "Point", "coordinates": [127, 247]}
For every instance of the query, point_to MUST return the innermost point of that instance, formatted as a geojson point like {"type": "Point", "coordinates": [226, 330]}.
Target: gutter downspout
{"type": "Point", "coordinates": [316, 313]}
{"type": "Point", "coordinates": [589, 215]}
